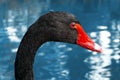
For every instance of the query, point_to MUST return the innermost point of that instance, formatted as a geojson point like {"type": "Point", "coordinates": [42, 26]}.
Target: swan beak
{"type": "Point", "coordinates": [90, 45]}
{"type": "Point", "coordinates": [85, 41]}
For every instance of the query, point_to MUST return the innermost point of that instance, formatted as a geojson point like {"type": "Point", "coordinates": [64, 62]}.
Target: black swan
{"type": "Point", "coordinates": [53, 26]}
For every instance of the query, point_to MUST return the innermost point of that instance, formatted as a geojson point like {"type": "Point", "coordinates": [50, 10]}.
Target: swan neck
{"type": "Point", "coordinates": [25, 56]}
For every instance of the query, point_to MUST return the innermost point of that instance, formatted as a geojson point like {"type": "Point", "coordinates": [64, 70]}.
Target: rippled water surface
{"type": "Point", "coordinates": [63, 61]}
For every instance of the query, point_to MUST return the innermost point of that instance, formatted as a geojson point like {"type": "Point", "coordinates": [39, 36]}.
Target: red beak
{"type": "Point", "coordinates": [85, 41]}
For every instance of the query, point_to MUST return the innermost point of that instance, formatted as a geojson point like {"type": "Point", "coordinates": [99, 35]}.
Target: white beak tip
{"type": "Point", "coordinates": [98, 48]}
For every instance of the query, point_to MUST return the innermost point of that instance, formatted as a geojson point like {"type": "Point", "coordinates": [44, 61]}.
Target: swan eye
{"type": "Point", "coordinates": [72, 25]}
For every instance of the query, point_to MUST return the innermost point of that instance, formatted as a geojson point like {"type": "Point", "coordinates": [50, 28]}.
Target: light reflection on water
{"type": "Point", "coordinates": [99, 63]}
{"type": "Point", "coordinates": [54, 62]}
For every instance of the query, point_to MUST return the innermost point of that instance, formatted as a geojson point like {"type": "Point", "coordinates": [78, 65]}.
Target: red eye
{"type": "Point", "coordinates": [72, 25]}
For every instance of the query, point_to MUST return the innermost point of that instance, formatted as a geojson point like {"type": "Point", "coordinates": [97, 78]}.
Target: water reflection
{"type": "Point", "coordinates": [54, 62]}
{"type": "Point", "coordinates": [99, 63]}
{"type": "Point", "coordinates": [12, 34]}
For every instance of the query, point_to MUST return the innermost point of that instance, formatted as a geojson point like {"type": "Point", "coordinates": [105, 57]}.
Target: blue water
{"type": "Point", "coordinates": [62, 61]}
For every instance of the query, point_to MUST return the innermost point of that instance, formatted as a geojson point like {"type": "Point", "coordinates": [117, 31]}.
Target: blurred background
{"type": "Point", "coordinates": [62, 61]}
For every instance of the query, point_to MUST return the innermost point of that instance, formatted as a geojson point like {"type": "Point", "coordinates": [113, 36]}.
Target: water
{"type": "Point", "coordinates": [62, 61]}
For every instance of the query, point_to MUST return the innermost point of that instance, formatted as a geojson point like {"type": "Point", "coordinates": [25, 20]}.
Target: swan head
{"type": "Point", "coordinates": [63, 27]}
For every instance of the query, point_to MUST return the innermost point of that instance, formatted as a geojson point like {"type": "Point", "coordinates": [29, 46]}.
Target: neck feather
{"type": "Point", "coordinates": [25, 56]}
